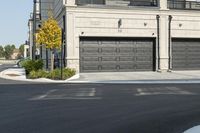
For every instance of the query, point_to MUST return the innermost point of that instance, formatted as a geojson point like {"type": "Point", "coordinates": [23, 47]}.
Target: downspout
{"type": "Point", "coordinates": [158, 39]}
{"type": "Point", "coordinates": [62, 46]}
{"type": "Point", "coordinates": [61, 59]}
{"type": "Point", "coordinates": [47, 59]}
{"type": "Point", "coordinates": [64, 42]}
{"type": "Point", "coordinates": [169, 39]}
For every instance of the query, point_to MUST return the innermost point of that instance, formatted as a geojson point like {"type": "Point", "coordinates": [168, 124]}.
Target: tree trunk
{"type": "Point", "coordinates": [52, 60]}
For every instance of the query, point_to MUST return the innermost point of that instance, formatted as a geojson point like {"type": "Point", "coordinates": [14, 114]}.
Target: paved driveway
{"type": "Point", "coordinates": [139, 77]}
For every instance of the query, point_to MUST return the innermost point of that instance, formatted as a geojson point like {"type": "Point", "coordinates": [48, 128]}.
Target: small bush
{"type": "Point", "coordinates": [67, 73]}
{"type": "Point", "coordinates": [33, 75]}
{"type": "Point", "coordinates": [55, 74]}
{"type": "Point", "coordinates": [38, 64]}
{"type": "Point", "coordinates": [42, 74]}
{"type": "Point", "coordinates": [32, 65]}
{"type": "Point", "coordinates": [38, 74]}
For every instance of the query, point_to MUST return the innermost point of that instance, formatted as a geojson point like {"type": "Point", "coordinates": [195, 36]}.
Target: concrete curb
{"type": "Point", "coordinates": [140, 82]}
{"type": "Point", "coordinates": [74, 79]}
{"type": "Point", "coordinates": [4, 75]}
{"type": "Point", "coordinates": [195, 129]}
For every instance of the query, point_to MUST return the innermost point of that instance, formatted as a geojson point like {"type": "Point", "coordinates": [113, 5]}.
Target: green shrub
{"type": "Point", "coordinates": [55, 74]}
{"type": "Point", "coordinates": [33, 75]}
{"type": "Point", "coordinates": [38, 74]}
{"type": "Point", "coordinates": [32, 65]}
{"type": "Point", "coordinates": [67, 73]}
{"type": "Point", "coordinates": [42, 74]}
{"type": "Point", "coordinates": [38, 65]}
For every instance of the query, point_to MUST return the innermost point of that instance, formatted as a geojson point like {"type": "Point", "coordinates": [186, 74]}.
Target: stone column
{"type": "Point", "coordinates": [70, 2]}
{"type": "Point", "coordinates": [164, 42]}
{"type": "Point", "coordinates": [71, 56]}
{"type": "Point", "coordinates": [163, 4]}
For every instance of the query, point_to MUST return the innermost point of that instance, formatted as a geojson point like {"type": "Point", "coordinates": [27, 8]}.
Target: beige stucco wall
{"type": "Point", "coordinates": [104, 23]}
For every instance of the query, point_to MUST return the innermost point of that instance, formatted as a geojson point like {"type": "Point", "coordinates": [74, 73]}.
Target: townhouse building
{"type": "Point", "coordinates": [129, 35]}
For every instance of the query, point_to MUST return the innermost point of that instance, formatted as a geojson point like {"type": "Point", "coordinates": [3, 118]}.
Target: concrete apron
{"type": "Point", "coordinates": [139, 77]}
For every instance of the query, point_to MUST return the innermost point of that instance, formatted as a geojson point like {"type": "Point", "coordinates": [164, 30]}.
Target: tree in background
{"type": "Point", "coordinates": [13, 47]}
{"type": "Point", "coordinates": [8, 51]}
{"type": "Point", "coordinates": [21, 50]}
{"type": "Point", "coordinates": [1, 52]}
{"type": "Point", "coordinates": [50, 35]}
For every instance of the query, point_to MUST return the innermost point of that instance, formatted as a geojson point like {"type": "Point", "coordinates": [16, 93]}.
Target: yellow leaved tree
{"type": "Point", "coordinates": [50, 35]}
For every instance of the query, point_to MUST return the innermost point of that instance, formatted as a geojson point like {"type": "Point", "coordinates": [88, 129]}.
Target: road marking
{"type": "Point", "coordinates": [71, 98]}
{"type": "Point", "coordinates": [43, 96]}
{"type": "Point", "coordinates": [162, 91]}
{"type": "Point", "coordinates": [80, 94]}
{"type": "Point", "coordinates": [92, 93]}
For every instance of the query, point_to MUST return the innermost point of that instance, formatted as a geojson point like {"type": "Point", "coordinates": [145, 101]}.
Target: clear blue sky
{"type": "Point", "coordinates": [14, 15]}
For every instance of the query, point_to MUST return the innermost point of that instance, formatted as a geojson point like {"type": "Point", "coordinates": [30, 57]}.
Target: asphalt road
{"type": "Point", "coordinates": [98, 108]}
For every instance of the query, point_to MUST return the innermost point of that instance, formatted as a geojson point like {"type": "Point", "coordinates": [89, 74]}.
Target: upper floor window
{"type": "Point", "coordinates": [118, 2]}
{"type": "Point", "coordinates": [184, 4]}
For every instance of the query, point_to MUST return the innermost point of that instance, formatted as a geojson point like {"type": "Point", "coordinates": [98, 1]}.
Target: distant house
{"type": "Point", "coordinates": [15, 54]}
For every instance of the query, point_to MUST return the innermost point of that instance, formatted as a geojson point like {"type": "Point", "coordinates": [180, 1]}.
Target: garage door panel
{"type": "Point", "coordinates": [126, 58]}
{"type": "Point", "coordinates": [127, 67]}
{"type": "Point", "coordinates": [179, 57]}
{"type": "Point", "coordinates": [186, 54]}
{"type": "Point", "coordinates": [126, 63]}
{"type": "Point", "coordinates": [88, 63]}
{"type": "Point", "coordinates": [193, 52]}
{"type": "Point", "coordinates": [86, 58]}
{"type": "Point", "coordinates": [126, 50]}
{"type": "Point", "coordinates": [109, 67]}
{"type": "Point", "coordinates": [143, 55]}
{"type": "Point", "coordinates": [107, 44]}
{"type": "Point", "coordinates": [89, 43]}
{"type": "Point", "coordinates": [109, 50]}
{"type": "Point", "coordinates": [142, 68]}
{"type": "Point", "coordinates": [127, 44]}
{"type": "Point", "coordinates": [116, 55]}
{"type": "Point", "coordinates": [111, 58]}
{"type": "Point", "coordinates": [147, 62]}
{"type": "Point", "coordinates": [195, 63]}
{"type": "Point", "coordinates": [143, 59]}
{"type": "Point", "coordinates": [179, 49]}
{"type": "Point", "coordinates": [143, 49]}
{"type": "Point", "coordinates": [90, 50]}
{"type": "Point", "coordinates": [89, 68]}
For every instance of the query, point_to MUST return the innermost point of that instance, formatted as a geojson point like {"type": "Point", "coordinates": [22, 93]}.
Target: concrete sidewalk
{"type": "Point", "coordinates": [113, 77]}
{"type": "Point", "coordinates": [139, 77]}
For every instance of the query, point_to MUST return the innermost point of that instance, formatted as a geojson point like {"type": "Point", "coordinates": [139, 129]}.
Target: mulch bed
{"type": "Point", "coordinates": [13, 75]}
